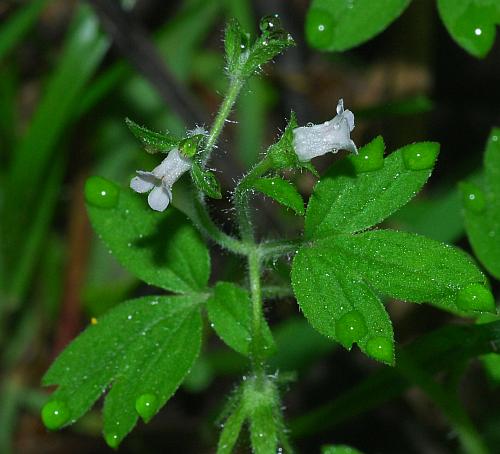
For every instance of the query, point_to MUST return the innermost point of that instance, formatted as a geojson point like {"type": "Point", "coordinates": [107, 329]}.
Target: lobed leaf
{"type": "Point", "coordinates": [482, 209]}
{"type": "Point", "coordinates": [339, 304]}
{"type": "Point", "coordinates": [229, 310]}
{"type": "Point", "coordinates": [162, 249]}
{"type": "Point", "coordinates": [143, 346]}
{"type": "Point", "coordinates": [346, 202]}
{"type": "Point", "coordinates": [282, 191]}
{"type": "Point", "coordinates": [408, 266]}
{"type": "Point", "coordinates": [151, 140]}
{"type": "Point", "coordinates": [338, 25]}
{"type": "Point", "coordinates": [471, 23]}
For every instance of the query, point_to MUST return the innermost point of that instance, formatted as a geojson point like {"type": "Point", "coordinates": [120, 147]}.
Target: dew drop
{"type": "Point", "coordinates": [473, 197]}
{"type": "Point", "coordinates": [370, 157]}
{"type": "Point", "coordinates": [350, 328]}
{"type": "Point", "coordinates": [270, 23]}
{"type": "Point", "coordinates": [101, 193]}
{"type": "Point", "coordinates": [476, 297]}
{"type": "Point", "coordinates": [381, 349]}
{"type": "Point", "coordinates": [320, 27]}
{"type": "Point", "coordinates": [475, 30]}
{"type": "Point", "coordinates": [112, 440]}
{"type": "Point", "coordinates": [55, 414]}
{"type": "Point", "coordinates": [146, 406]}
{"type": "Point", "coordinates": [420, 156]}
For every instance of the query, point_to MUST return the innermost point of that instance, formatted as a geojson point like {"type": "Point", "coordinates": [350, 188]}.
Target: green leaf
{"type": "Point", "coordinates": [471, 23]}
{"type": "Point", "coordinates": [162, 249]}
{"type": "Point", "coordinates": [268, 45]}
{"type": "Point", "coordinates": [410, 267]}
{"type": "Point", "coordinates": [339, 449]}
{"type": "Point", "coordinates": [232, 428]}
{"type": "Point", "coordinates": [482, 209]}
{"type": "Point", "coordinates": [143, 346]}
{"type": "Point", "coordinates": [234, 42]}
{"type": "Point", "coordinates": [338, 25]}
{"type": "Point", "coordinates": [205, 181]}
{"type": "Point", "coordinates": [153, 141]}
{"type": "Point", "coordinates": [263, 430]}
{"type": "Point", "coordinates": [282, 191]}
{"type": "Point", "coordinates": [229, 311]}
{"type": "Point", "coordinates": [339, 304]}
{"type": "Point", "coordinates": [346, 202]}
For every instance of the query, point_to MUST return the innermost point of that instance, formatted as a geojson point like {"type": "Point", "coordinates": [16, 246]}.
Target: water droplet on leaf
{"type": "Point", "coordinates": [270, 23]}
{"type": "Point", "coordinates": [146, 406]}
{"type": "Point", "coordinates": [476, 297]}
{"type": "Point", "coordinates": [370, 157]}
{"type": "Point", "coordinates": [420, 156]}
{"type": "Point", "coordinates": [55, 414]}
{"type": "Point", "coordinates": [473, 197]}
{"type": "Point", "coordinates": [112, 440]}
{"type": "Point", "coordinates": [475, 29]}
{"type": "Point", "coordinates": [350, 328]}
{"type": "Point", "coordinates": [101, 193]}
{"type": "Point", "coordinates": [381, 349]}
{"type": "Point", "coordinates": [320, 27]}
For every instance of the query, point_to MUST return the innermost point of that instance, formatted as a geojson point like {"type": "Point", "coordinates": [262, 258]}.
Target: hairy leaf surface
{"type": "Point", "coordinates": [146, 345]}
{"type": "Point", "coordinates": [346, 202]}
{"type": "Point", "coordinates": [162, 249]}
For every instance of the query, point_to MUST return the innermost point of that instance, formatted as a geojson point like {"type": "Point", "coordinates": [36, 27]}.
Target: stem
{"type": "Point", "coordinates": [225, 109]}
{"type": "Point", "coordinates": [241, 199]}
{"type": "Point", "coordinates": [207, 226]}
{"type": "Point", "coordinates": [254, 272]}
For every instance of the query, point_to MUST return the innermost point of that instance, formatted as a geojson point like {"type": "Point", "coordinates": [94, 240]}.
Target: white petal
{"type": "Point", "coordinates": [141, 185]}
{"type": "Point", "coordinates": [177, 165]}
{"type": "Point", "coordinates": [159, 198]}
{"type": "Point", "coordinates": [349, 116]}
{"type": "Point", "coordinates": [159, 170]}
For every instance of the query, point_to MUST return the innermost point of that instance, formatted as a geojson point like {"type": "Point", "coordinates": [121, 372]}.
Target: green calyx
{"type": "Point", "coordinates": [55, 414]}
{"type": "Point", "coordinates": [189, 146]}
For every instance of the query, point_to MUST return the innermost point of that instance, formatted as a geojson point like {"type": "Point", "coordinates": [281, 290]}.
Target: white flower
{"type": "Point", "coordinates": [331, 136]}
{"type": "Point", "coordinates": [161, 179]}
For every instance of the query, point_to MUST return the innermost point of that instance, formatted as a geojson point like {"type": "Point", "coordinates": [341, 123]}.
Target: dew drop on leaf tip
{"type": "Point", "coordinates": [55, 414]}
{"type": "Point", "coordinates": [146, 406]}
{"type": "Point", "coordinates": [350, 328]}
{"type": "Point", "coordinates": [476, 297]}
{"type": "Point", "coordinates": [101, 193]}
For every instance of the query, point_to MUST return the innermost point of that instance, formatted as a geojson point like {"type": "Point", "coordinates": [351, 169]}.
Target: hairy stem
{"type": "Point", "coordinates": [225, 109]}
{"type": "Point", "coordinates": [242, 199]}
{"type": "Point", "coordinates": [254, 272]}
